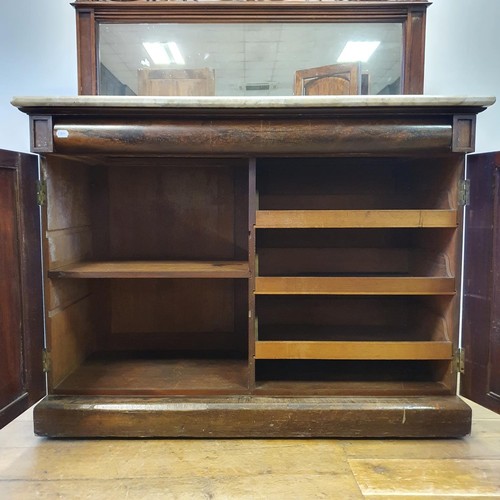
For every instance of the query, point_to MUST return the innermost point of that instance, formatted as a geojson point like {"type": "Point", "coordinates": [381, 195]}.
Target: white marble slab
{"type": "Point", "coordinates": [253, 102]}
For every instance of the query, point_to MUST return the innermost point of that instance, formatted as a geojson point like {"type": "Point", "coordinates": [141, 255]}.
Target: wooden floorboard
{"type": "Point", "coordinates": [33, 467]}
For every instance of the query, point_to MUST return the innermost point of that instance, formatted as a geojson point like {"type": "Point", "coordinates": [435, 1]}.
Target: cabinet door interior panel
{"type": "Point", "coordinates": [242, 261]}
{"type": "Point", "coordinates": [22, 381]}
{"type": "Point", "coordinates": [10, 292]}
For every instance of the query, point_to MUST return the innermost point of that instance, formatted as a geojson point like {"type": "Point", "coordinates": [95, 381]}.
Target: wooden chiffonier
{"type": "Point", "coordinates": [224, 267]}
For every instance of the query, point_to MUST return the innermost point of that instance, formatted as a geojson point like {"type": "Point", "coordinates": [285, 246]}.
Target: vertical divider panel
{"type": "Point", "coordinates": [252, 320]}
{"type": "Point", "coordinates": [241, 242]}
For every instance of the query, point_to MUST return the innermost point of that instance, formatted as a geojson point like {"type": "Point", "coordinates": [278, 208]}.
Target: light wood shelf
{"type": "Point", "coordinates": [153, 269]}
{"type": "Point", "coordinates": [354, 285]}
{"type": "Point", "coordinates": [281, 219]}
{"type": "Point", "coordinates": [399, 350]}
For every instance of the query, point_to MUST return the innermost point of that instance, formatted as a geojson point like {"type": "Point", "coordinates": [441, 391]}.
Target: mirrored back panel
{"type": "Point", "coordinates": [250, 59]}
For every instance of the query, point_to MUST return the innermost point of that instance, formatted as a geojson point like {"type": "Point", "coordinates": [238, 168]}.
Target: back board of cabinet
{"type": "Point", "coordinates": [223, 267]}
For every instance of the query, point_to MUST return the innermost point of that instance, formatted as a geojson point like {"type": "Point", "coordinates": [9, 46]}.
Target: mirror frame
{"type": "Point", "coordinates": [411, 13]}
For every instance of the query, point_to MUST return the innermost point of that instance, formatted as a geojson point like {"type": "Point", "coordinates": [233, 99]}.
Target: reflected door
{"type": "Point", "coordinates": [334, 79]}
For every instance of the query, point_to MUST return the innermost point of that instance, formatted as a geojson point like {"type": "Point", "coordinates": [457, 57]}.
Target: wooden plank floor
{"type": "Point", "coordinates": [469, 468]}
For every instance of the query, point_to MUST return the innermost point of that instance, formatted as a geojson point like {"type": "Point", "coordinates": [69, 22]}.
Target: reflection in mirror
{"type": "Point", "coordinates": [251, 59]}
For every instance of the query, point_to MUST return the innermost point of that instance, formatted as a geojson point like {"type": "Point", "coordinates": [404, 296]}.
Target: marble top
{"type": "Point", "coordinates": [266, 102]}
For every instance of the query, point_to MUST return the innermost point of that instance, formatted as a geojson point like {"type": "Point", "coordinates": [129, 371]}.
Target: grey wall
{"type": "Point", "coordinates": [463, 58]}
{"type": "Point", "coordinates": [38, 57]}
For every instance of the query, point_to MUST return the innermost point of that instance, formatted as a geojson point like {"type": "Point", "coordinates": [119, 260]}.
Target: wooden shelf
{"type": "Point", "coordinates": [134, 374]}
{"type": "Point", "coordinates": [354, 285]}
{"type": "Point", "coordinates": [154, 269]}
{"type": "Point", "coordinates": [400, 350]}
{"type": "Point", "coordinates": [350, 388]}
{"type": "Point", "coordinates": [282, 219]}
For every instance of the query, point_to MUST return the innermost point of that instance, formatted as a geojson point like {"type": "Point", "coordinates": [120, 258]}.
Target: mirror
{"type": "Point", "coordinates": [246, 59]}
{"type": "Point", "coordinates": [249, 48]}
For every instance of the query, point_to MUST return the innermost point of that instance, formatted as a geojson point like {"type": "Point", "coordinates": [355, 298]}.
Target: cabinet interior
{"type": "Point", "coordinates": [228, 276]}
{"type": "Point", "coordinates": [164, 306]}
{"type": "Point", "coordinates": [359, 183]}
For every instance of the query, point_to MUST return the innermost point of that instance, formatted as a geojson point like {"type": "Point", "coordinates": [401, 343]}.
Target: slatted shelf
{"type": "Point", "coordinates": [355, 285]}
{"type": "Point", "coordinates": [281, 219]}
{"type": "Point", "coordinates": [399, 350]}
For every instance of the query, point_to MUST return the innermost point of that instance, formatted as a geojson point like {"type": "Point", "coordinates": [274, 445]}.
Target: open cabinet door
{"type": "Point", "coordinates": [480, 381]}
{"type": "Point", "coordinates": [22, 381]}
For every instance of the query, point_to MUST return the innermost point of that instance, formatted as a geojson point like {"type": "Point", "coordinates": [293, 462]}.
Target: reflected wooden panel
{"type": "Point", "coordinates": [176, 82]}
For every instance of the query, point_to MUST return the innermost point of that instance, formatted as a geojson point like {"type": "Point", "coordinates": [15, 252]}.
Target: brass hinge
{"type": "Point", "coordinates": [46, 361]}
{"type": "Point", "coordinates": [41, 192]}
{"type": "Point", "coordinates": [464, 193]}
{"type": "Point", "coordinates": [460, 360]}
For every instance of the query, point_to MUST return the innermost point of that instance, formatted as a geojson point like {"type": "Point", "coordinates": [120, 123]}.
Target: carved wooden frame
{"type": "Point", "coordinates": [411, 13]}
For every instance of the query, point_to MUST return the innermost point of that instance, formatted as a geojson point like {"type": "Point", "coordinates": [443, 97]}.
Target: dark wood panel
{"type": "Point", "coordinates": [172, 305]}
{"type": "Point", "coordinates": [21, 317]}
{"type": "Point", "coordinates": [481, 313]}
{"type": "Point", "coordinates": [396, 185]}
{"type": "Point", "coordinates": [86, 51]}
{"type": "Point", "coordinates": [178, 213]}
{"type": "Point", "coordinates": [11, 368]}
{"type": "Point", "coordinates": [414, 52]}
{"type": "Point", "coordinates": [253, 136]}
{"type": "Point", "coordinates": [323, 262]}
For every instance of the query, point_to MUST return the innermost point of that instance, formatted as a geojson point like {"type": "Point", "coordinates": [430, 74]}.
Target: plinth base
{"type": "Point", "coordinates": [253, 417]}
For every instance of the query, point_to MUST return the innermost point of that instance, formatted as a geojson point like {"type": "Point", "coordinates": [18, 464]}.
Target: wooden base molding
{"type": "Point", "coordinates": [255, 416]}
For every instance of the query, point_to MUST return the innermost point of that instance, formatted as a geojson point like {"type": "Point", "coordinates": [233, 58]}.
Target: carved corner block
{"type": "Point", "coordinates": [464, 134]}
{"type": "Point", "coordinates": [41, 134]}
